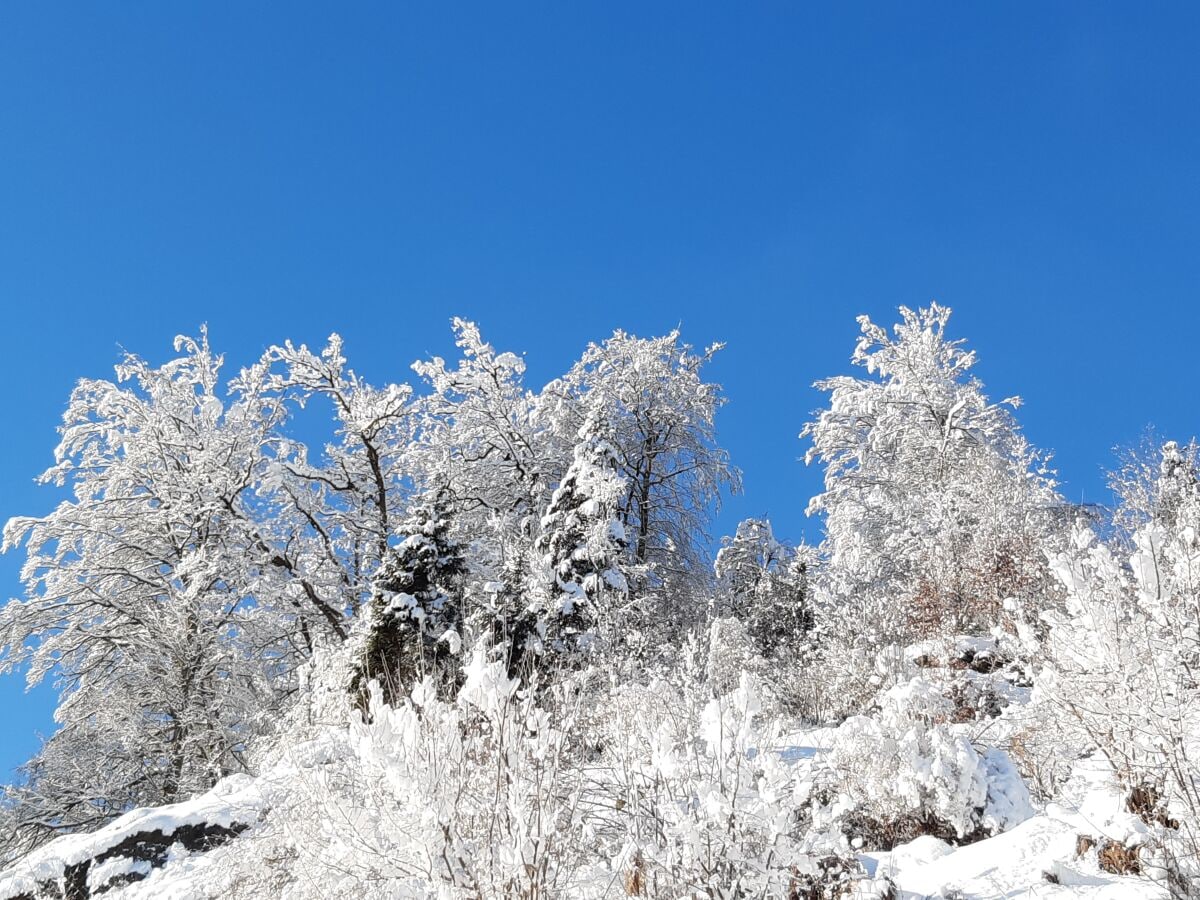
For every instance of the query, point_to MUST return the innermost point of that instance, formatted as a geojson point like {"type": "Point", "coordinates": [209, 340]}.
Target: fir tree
{"type": "Point", "coordinates": [763, 584]}
{"type": "Point", "coordinates": [581, 544]}
{"type": "Point", "coordinates": [416, 608]}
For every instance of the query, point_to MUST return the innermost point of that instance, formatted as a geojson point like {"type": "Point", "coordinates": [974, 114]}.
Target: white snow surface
{"type": "Point", "coordinates": [1010, 865]}
{"type": "Point", "coordinates": [236, 800]}
{"type": "Point", "coordinates": [1017, 862]}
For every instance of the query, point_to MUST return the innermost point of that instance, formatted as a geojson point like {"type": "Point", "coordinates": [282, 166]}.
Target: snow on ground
{"type": "Point", "coordinates": [1036, 859]}
{"type": "Point", "coordinates": [235, 802]}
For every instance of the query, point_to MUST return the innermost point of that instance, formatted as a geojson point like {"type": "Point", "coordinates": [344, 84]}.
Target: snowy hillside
{"type": "Point", "coordinates": [1039, 857]}
{"type": "Point", "coordinates": [479, 645]}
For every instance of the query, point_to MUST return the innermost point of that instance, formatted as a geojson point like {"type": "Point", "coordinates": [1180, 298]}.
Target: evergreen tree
{"type": "Point", "coordinates": [416, 610]}
{"type": "Point", "coordinates": [763, 583]}
{"type": "Point", "coordinates": [581, 543]}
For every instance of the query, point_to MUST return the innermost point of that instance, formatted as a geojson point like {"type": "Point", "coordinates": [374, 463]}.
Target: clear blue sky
{"type": "Point", "coordinates": [760, 173]}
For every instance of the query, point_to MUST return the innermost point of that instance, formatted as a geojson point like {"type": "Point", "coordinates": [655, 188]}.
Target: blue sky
{"type": "Point", "coordinates": [759, 173]}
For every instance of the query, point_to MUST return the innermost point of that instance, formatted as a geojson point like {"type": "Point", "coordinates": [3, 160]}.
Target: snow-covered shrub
{"type": "Point", "coordinates": [431, 797]}
{"type": "Point", "coordinates": [731, 651]}
{"type": "Point", "coordinates": [1043, 750]}
{"type": "Point", "coordinates": [838, 878]}
{"type": "Point", "coordinates": [687, 798]}
{"type": "Point", "coordinates": [907, 772]}
{"type": "Point", "coordinates": [1122, 668]}
{"type": "Point", "coordinates": [658, 788]}
{"type": "Point", "coordinates": [976, 673]}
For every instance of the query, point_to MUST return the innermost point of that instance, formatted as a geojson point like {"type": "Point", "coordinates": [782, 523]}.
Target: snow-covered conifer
{"type": "Point", "coordinates": [582, 540]}
{"type": "Point", "coordinates": [763, 583]}
{"type": "Point", "coordinates": [415, 624]}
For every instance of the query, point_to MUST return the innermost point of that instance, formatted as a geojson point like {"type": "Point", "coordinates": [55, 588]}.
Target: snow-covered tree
{"type": "Point", "coordinates": [581, 542]}
{"type": "Point", "coordinates": [659, 413]}
{"type": "Point", "coordinates": [415, 625]}
{"type": "Point", "coordinates": [936, 508]}
{"type": "Point", "coordinates": [153, 595]}
{"type": "Point", "coordinates": [1154, 483]}
{"type": "Point", "coordinates": [763, 583]}
{"type": "Point", "coordinates": [1123, 656]}
{"type": "Point", "coordinates": [479, 437]}
{"type": "Point", "coordinates": [341, 509]}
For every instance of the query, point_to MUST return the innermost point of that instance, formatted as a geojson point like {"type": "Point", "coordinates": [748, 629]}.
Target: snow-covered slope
{"type": "Point", "coordinates": [202, 848]}
{"type": "Point", "coordinates": [1038, 858]}
{"type": "Point", "coordinates": [135, 845]}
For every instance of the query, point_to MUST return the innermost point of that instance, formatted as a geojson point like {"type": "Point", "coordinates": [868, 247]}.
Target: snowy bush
{"type": "Point", "coordinates": [731, 651]}
{"type": "Point", "coordinates": [697, 807]}
{"type": "Point", "coordinates": [432, 797]}
{"type": "Point", "coordinates": [1122, 668]}
{"type": "Point", "coordinates": [907, 772]}
{"type": "Point", "coordinates": [658, 788]}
